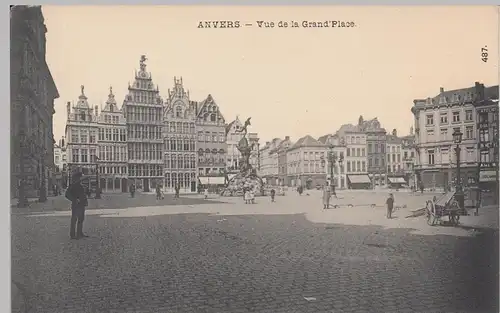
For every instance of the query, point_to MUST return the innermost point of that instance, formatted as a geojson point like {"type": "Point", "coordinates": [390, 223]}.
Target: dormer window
{"type": "Point", "coordinates": [82, 116]}
{"type": "Point", "coordinates": [442, 100]}
{"type": "Point", "coordinates": [213, 117]}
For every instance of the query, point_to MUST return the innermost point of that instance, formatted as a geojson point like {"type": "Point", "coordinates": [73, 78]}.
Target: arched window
{"type": "Point", "coordinates": [178, 111]}
{"type": "Point", "coordinates": [213, 117]}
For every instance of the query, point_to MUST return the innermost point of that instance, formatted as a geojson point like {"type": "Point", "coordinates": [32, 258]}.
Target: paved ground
{"type": "Point", "coordinates": [267, 257]}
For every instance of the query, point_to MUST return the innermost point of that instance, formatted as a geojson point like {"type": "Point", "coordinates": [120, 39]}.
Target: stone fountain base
{"type": "Point", "coordinates": [240, 182]}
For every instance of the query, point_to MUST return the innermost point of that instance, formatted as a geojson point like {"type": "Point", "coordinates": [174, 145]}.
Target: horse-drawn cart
{"type": "Point", "coordinates": [446, 205]}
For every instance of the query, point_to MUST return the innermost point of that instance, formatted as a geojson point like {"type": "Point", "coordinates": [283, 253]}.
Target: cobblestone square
{"type": "Point", "coordinates": [225, 256]}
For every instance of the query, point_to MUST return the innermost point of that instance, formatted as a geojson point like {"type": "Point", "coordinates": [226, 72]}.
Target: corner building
{"type": "Point", "coordinates": [143, 109]}
{"type": "Point", "coordinates": [179, 135]}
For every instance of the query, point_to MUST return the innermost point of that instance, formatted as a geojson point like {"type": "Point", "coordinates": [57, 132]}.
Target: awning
{"type": "Point", "coordinates": [212, 180]}
{"type": "Point", "coordinates": [359, 179]}
{"type": "Point", "coordinates": [397, 180]}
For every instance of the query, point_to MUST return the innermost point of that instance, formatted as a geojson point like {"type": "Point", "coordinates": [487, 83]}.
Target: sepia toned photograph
{"type": "Point", "coordinates": [232, 159]}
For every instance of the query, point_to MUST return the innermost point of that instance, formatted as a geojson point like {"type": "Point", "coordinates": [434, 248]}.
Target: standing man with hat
{"type": "Point", "coordinates": [76, 194]}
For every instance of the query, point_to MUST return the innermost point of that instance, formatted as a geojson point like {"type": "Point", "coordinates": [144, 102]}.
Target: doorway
{"type": "Point", "coordinates": [145, 185]}
{"type": "Point", "coordinates": [193, 186]}
{"type": "Point", "coordinates": [124, 185]}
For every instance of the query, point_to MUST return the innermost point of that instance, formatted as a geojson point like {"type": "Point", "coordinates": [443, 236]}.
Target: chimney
{"type": "Point", "coordinates": [479, 91]}
{"type": "Point", "coordinates": [68, 108]}
{"type": "Point", "coordinates": [395, 132]}
{"type": "Point", "coordinates": [441, 89]}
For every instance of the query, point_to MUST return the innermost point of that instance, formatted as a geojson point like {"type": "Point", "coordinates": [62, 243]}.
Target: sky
{"type": "Point", "coordinates": [291, 81]}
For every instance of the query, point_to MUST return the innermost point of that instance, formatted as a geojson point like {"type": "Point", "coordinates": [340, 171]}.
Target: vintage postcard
{"type": "Point", "coordinates": [254, 158]}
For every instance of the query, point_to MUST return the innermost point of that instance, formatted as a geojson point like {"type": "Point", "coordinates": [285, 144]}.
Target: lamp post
{"type": "Point", "coordinates": [332, 160]}
{"type": "Point", "coordinates": [459, 195]}
{"type": "Point", "coordinates": [98, 182]}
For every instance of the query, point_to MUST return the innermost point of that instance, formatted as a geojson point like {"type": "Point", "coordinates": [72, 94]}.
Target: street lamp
{"type": "Point", "coordinates": [459, 195]}
{"type": "Point", "coordinates": [98, 183]}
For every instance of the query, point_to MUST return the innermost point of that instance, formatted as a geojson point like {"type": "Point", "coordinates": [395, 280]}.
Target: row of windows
{"type": "Point", "coordinates": [111, 119]}
{"type": "Point", "coordinates": [355, 152]}
{"type": "Point", "coordinates": [78, 135]}
{"type": "Point", "coordinates": [180, 161]}
{"type": "Point", "coordinates": [146, 97]}
{"type": "Point", "coordinates": [445, 135]}
{"type": "Point", "coordinates": [180, 127]}
{"type": "Point", "coordinates": [145, 170]}
{"type": "Point", "coordinates": [113, 153]}
{"type": "Point", "coordinates": [446, 157]}
{"type": "Point", "coordinates": [354, 139]}
{"type": "Point", "coordinates": [143, 114]}
{"type": "Point", "coordinates": [212, 159]}
{"type": "Point", "coordinates": [376, 161]}
{"type": "Point", "coordinates": [376, 148]}
{"type": "Point", "coordinates": [455, 117]}
{"type": "Point", "coordinates": [83, 155]}
{"type": "Point", "coordinates": [356, 166]}
{"type": "Point", "coordinates": [113, 170]}
{"type": "Point", "coordinates": [113, 134]}
{"type": "Point", "coordinates": [144, 132]}
{"type": "Point", "coordinates": [145, 151]}
{"type": "Point", "coordinates": [393, 169]}
{"type": "Point", "coordinates": [180, 145]}
{"type": "Point", "coordinates": [211, 137]}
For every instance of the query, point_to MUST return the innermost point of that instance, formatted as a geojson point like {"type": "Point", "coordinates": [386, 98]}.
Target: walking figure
{"type": "Point", "coordinates": [76, 194]}
{"type": "Point", "coordinates": [177, 188]}
{"type": "Point", "coordinates": [326, 196]}
{"type": "Point", "coordinates": [206, 193]}
{"type": "Point", "coordinates": [158, 192]}
{"type": "Point", "coordinates": [390, 205]}
{"type": "Point", "coordinates": [132, 190]}
{"type": "Point", "coordinates": [273, 194]}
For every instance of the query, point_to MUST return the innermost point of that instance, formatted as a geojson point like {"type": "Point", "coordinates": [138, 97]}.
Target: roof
{"type": "Point", "coordinates": [209, 101]}
{"type": "Point", "coordinates": [323, 139]}
{"type": "Point", "coordinates": [307, 141]}
{"type": "Point", "coordinates": [111, 105]}
{"type": "Point", "coordinates": [228, 126]}
{"type": "Point", "coordinates": [391, 139]}
{"type": "Point", "coordinates": [372, 125]}
{"type": "Point", "coordinates": [349, 128]}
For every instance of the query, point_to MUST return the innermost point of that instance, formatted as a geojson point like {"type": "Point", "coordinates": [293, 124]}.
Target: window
{"type": "Point", "coordinates": [369, 162]}
{"type": "Point", "coordinates": [348, 165]}
{"type": "Point", "coordinates": [358, 152]}
{"type": "Point", "coordinates": [429, 119]}
{"type": "Point", "coordinates": [444, 118]}
{"type": "Point", "coordinates": [349, 153]}
{"type": "Point", "coordinates": [468, 115]}
{"type": "Point", "coordinates": [430, 134]}
{"type": "Point", "coordinates": [375, 161]}
{"type": "Point", "coordinates": [484, 135]}
{"type": "Point", "coordinates": [456, 116]}
{"type": "Point", "coordinates": [430, 157]}
{"type": "Point", "coordinates": [469, 132]}
{"type": "Point", "coordinates": [444, 134]}
{"type": "Point", "coordinates": [75, 156]}
{"type": "Point", "coordinates": [84, 155]}
{"type": "Point", "coordinates": [74, 136]}
{"type": "Point", "coordinates": [399, 158]}
{"type": "Point", "coordinates": [362, 151]}
{"type": "Point", "coordinates": [445, 156]}
{"type": "Point", "coordinates": [485, 157]}
{"type": "Point", "coordinates": [369, 148]}
{"type": "Point", "coordinates": [83, 136]}
{"type": "Point", "coordinates": [178, 111]}
{"type": "Point", "coordinates": [470, 154]}
{"type": "Point", "coordinates": [363, 164]}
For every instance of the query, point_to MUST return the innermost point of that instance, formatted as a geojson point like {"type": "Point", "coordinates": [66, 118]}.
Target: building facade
{"type": "Point", "coordinates": [486, 109]}
{"type": "Point", "coordinates": [211, 145]}
{"type": "Point", "coordinates": [179, 133]}
{"type": "Point", "coordinates": [143, 110]}
{"type": "Point", "coordinates": [282, 161]}
{"type": "Point", "coordinates": [269, 161]}
{"type": "Point", "coordinates": [32, 94]}
{"type": "Point", "coordinates": [376, 144]}
{"type": "Point", "coordinates": [355, 140]}
{"type": "Point", "coordinates": [253, 140]}
{"type": "Point", "coordinates": [409, 161]}
{"type": "Point", "coordinates": [60, 164]}
{"type": "Point", "coordinates": [81, 137]}
{"type": "Point", "coordinates": [304, 163]}
{"type": "Point", "coordinates": [436, 119]}
{"type": "Point", "coordinates": [113, 147]}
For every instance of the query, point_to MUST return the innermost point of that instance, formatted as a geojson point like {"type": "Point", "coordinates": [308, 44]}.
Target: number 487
{"type": "Point", "coordinates": [484, 54]}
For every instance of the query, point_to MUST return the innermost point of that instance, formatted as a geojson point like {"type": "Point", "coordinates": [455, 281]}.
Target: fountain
{"type": "Point", "coordinates": [247, 178]}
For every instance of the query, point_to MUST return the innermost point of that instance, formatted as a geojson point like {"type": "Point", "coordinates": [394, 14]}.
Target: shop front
{"type": "Point", "coordinates": [361, 181]}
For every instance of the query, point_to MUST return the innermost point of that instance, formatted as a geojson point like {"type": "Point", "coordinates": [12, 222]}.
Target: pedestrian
{"type": "Point", "coordinates": [132, 190]}
{"type": "Point", "coordinates": [177, 189]}
{"type": "Point", "coordinates": [390, 205]}
{"type": "Point", "coordinates": [76, 194]}
{"type": "Point", "coordinates": [252, 196]}
{"type": "Point", "coordinates": [421, 188]}
{"type": "Point", "coordinates": [206, 193]}
{"type": "Point", "coordinates": [158, 192]}
{"type": "Point", "coordinates": [247, 196]}
{"type": "Point", "coordinates": [273, 194]}
{"type": "Point", "coordinates": [326, 196]}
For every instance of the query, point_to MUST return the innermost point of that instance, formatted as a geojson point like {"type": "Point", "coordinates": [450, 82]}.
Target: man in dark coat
{"type": "Point", "coordinates": [76, 194]}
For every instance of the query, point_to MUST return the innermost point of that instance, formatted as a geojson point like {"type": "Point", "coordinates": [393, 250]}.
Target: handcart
{"type": "Point", "coordinates": [446, 205]}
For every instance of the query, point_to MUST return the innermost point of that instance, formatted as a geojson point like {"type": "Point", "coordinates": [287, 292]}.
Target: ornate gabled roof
{"type": "Point", "coordinates": [143, 81]}
{"type": "Point", "coordinates": [111, 105]}
{"type": "Point", "coordinates": [209, 106]}
{"type": "Point", "coordinates": [230, 125]}
{"type": "Point", "coordinates": [82, 100]}
{"type": "Point", "coordinates": [307, 141]}
{"type": "Point", "coordinates": [372, 125]}
{"type": "Point", "coordinates": [349, 128]}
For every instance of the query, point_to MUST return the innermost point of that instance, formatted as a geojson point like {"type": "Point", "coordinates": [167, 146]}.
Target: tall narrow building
{"type": "Point", "coordinates": [212, 146]}
{"type": "Point", "coordinates": [81, 135]}
{"type": "Point", "coordinates": [143, 110]}
{"type": "Point", "coordinates": [113, 161]}
{"type": "Point", "coordinates": [179, 135]}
